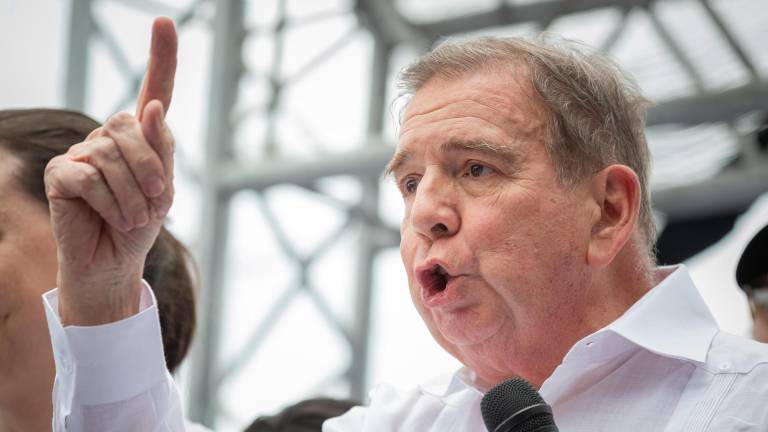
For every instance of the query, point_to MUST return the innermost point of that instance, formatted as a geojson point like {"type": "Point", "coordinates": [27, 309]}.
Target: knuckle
{"type": "Point", "coordinates": [118, 121]}
{"type": "Point", "coordinates": [51, 173]}
{"type": "Point", "coordinates": [51, 166]}
{"type": "Point", "coordinates": [148, 164]}
{"type": "Point", "coordinates": [49, 182]}
{"type": "Point", "coordinates": [98, 132]}
{"type": "Point", "coordinates": [76, 149]}
{"type": "Point", "coordinates": [89, 176]}
{"type": "Point", "coordinates": [107, 149]}
{"type": "Point", "coordinates": [139, 207]}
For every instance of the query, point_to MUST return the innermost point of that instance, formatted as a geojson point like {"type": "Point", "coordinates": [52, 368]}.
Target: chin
{"type": "Point", "coordinates": [467, 327]}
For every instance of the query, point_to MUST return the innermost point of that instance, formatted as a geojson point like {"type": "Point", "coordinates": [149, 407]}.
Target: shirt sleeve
{"type": "Point", "coordinates": [112, 377]}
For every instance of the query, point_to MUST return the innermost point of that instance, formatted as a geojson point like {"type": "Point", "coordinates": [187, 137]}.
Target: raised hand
{"type": "Point", "coordinates": [108, 197]}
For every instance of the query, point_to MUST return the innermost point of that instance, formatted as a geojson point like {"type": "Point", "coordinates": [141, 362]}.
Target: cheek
{"type": "Point", "coordinates": [523, 247]}
{"type": "Point", "coordinates": [27, 270]}
{"type": "Point", "coordinates": [523, 225]}
{"type": "Point", "coordinates": [503, 226]}
{"type": "Point", "coordinates": [24, 339]}
{"type": "Point", "coordinates": [14, 278]}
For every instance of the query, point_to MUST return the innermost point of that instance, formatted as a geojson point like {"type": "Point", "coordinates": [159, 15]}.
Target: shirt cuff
{"type": "Point", "coordinates": [106, 363]}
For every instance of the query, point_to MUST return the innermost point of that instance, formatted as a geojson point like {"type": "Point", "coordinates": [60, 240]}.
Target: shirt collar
{"type": "Point", "coordinates": [461, 381]}
{"type": "Point", "coordinates": [671, 319]}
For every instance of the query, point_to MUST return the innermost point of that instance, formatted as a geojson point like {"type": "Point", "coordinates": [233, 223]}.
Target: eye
{"type": "Point", "coordinates": [478, 170]}
{"type": "Point", "coordinates": [410, 184]}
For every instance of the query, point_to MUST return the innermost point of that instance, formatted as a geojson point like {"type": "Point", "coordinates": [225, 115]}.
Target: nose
{"type": "Point", "coordinates": [434, 213]}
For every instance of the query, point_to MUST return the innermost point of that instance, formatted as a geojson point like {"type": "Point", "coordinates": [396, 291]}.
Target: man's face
{"type": "Point", "coordinates": [494, 246]}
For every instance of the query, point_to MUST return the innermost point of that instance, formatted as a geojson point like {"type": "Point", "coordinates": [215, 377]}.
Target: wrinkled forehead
{"type": "Point", "coordinates": [489, 111]}
{"type": "Point", "coordinates": [508, 78]}
{"type": "Point", "coordinates": [501, 97]}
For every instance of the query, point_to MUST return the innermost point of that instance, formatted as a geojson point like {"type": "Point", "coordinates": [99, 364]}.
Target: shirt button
{"type": "Point", "coordinates": [724, 366]}
{"type": "Point", "coordinates": [66, 365]}
{"type": "Point", "coordinates": [589, 344]}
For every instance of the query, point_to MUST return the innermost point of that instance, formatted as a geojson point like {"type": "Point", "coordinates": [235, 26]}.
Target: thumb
{"type": "Point", "coordinates": [153, 123]}
{"type": "Point", "coordinates": [157, 135]}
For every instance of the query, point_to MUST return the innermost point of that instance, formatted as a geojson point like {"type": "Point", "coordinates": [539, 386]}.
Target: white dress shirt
{"type": "Point", "coordinates": [662, 366]}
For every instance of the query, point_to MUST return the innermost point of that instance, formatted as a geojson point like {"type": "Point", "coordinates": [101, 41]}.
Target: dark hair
{"type": "Point", "coordinates": [34, 137]}
{"type": "Point", "coordinates": [305, 416]}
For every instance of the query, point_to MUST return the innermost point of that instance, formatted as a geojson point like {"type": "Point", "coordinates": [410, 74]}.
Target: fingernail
{"type": "Point", "coordinates": [141, 219]}
{"type": "Point", "coordinates": [155, 187]}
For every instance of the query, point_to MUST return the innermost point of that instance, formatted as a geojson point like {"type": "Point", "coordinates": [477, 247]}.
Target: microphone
{"type": "Point", "coordinates": [514, 406]}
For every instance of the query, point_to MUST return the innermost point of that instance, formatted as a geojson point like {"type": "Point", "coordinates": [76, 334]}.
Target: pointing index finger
{"type": "Point", "coordinates": [161, 69]}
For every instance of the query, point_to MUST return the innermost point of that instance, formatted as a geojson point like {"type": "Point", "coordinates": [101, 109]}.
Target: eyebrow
{"type": "Point", "coordinates": [507, 154]}
{"type": "Point", "coordinates": [397, 161]}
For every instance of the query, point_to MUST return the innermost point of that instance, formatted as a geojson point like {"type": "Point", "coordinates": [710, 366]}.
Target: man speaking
{"type": "Point", "coordinates": [527, 239]}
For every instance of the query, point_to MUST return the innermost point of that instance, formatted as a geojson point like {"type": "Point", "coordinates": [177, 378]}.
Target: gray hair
{"type": "Point", "coordinates": [596, 111]}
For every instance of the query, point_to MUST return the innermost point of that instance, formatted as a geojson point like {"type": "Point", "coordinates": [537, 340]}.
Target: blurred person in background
{"type": "Point", "coordinates": [29, 139]}
{"type": "Point", "coordinates": [527, 240]}
{"type": "Point", "coordinates": [752, 277]}
{"type": "Point", "coordinates": [305, 416]}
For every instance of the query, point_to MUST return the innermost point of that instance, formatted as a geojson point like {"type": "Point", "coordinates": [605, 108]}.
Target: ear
{"type": "Point", "coordinates": [616, 191]}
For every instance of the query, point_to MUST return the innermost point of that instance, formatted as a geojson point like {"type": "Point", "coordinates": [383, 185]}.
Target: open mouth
{"type": "Point", "coordinates": [434, 279]}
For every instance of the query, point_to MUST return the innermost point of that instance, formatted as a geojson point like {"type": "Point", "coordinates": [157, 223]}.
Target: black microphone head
{"type": "Point", "coordinates": [510, 397]}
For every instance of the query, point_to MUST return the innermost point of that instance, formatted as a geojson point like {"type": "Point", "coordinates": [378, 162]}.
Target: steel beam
{"type": "Point", "coordinates": [225, 75]}
{"type": "Point", "coordinates": [80, 31]}
{"type": "Point", "coordinates": [730, 39]}
{"type": "Point", "coordinates": [729, 192]}
{"type": "Point", "coordinates": [724, 106]}
{"type": "Point", "coordinates": [367, 247]}
{"type": "Point", "coordinates": [259, 175]}
{"type": "Point", "coordinates": [541, 12]}
{"type": "Point", "coordinates": [386, 22]}
{"type": "Point", "coordinates": [677, 51]}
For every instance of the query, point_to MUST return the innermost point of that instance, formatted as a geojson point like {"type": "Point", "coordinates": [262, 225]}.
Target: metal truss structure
{"type": "Point", "coordinates": [225, 173]}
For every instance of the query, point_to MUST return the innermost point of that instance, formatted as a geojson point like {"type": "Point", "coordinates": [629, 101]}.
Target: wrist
{"type": "Point", "coordinates": [92, 303]}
